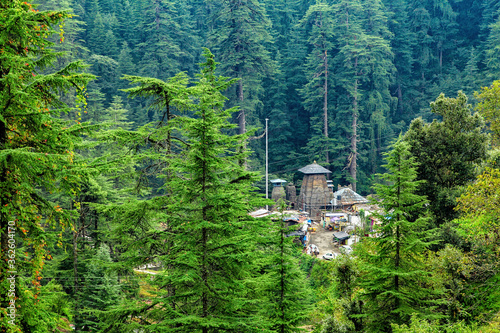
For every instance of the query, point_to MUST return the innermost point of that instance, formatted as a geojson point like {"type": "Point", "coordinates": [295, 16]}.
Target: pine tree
{"type": "Point", "coordinates": [73, 30]}
{"type": "Point", "coordinates": [493, 50]}
{"type": "Point", "coordinates": [96, 42]}
{"type": "Point", "coordinates": [99, 292]}
{"type": "Point", "coordinates": [36, 152]}
{"type": "Point", "coordinates": [166, 45]}
{"type": "Point", "coordinates": [105, 68]}
{"type": "Point", "coordinates": [280, 129]}
{"type": "Point", "coordinates": [339, 306]}
{"type": "Point", "coordinates": [432, 23]}
{"type": "Point", "coordinates": [363, 70]}
{"type": "Point", "coordinates": [293, 57]}
{"type": "Point", "coordinates": [393, 280]}
{"type": "Point", "coordinates": [287, 296]}
{"type": "Point", "coordinates": [126, 64]}
{"type": "Point", "coordinates": [283, 15]}
{"type": "Point", "coordinates": [128, 21]}
{"type": "Point", "coordinates": [110, 41]}
{"type": "Point", "coordinates": [116, 114]}
{"type": "Point", "coordinates": [402, 44]}
{"type": "Point", "coordinates": [319, 22]}
{"type": "Point", "coordinates": [239, 42]}
{"type": "Point", "coordinates": [95, 104]}
{"type": "Point", "coordinates": [207, 236]}
{"type": "Point", "coordinates": [91, 9]}
{"type": "Point", "coordinates": [471, 77]}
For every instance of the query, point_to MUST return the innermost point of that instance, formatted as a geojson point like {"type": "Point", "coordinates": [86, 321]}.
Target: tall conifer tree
{"type": "Point", "coordinates": [166, 45]}
{"type": "Point", "coordinates": [36, 154]}
{"type": "Point", "coordinates": [285, 307]}
{"type": "Point", "coordinates": [362, 70]}
{"type": "Point", "coordinates": [319, 28]}
{"type": "Point", "coordinates": [393, 280]}
{"type": "Point", "coordinates": [209, 238]}
{"type": "Point", "coordinates": [239, 42]}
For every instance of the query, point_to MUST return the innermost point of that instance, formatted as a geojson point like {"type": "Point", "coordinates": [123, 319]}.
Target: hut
{"type": "Point", "coordinates": [278, 193]}
{"type": "Point", "coordinates": [314, 192]}
{"type": "Point", "coordinates": [330, 185]}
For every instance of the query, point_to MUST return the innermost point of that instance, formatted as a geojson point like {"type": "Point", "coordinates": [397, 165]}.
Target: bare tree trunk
{"type": "Point", "coordinates": [78, 229]}
{"type": "Point", "coordinates": [398, 240]}
{"type": "Point", "coordinates": [204, 239]}
{"type": "Point", "coordinates": [440, 60]}
{"type": "Point", "coordinates": [204, 276]}
{"type": "Point", "coordinates": [354, 138]}
{"type": "Point", "coordinates": [241, 120]}
{"type": "Point", "coordinates": [241, 116]}
{"type": "Point", "coordinates": [400, 99]}
{"type": "Point", "coordinates": [325, 104]}
{"type": "Point", "coordinates": [75, 261]}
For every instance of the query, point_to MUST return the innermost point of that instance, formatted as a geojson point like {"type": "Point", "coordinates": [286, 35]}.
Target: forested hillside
{"type": "Point", "coordinates": [338, 80]}
{"type": "Point", "coordinates": [132, 136]}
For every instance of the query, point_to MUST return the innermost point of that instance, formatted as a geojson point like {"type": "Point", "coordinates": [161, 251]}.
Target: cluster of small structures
{"type": "Point", "coordinates": [318, 209]}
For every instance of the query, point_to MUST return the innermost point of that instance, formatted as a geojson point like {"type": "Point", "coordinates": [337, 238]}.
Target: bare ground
{"type": "Point", "coordinates": [323, 240]}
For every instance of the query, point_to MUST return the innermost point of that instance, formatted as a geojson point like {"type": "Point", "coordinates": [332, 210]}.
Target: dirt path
{"type": "Point", "coordinates": [323, 240]}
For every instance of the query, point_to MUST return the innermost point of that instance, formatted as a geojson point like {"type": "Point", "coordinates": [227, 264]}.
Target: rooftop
{"type": "Point", "coordinates": [314, 169]}
{"type": "Point", "coordinates": [349, 197]}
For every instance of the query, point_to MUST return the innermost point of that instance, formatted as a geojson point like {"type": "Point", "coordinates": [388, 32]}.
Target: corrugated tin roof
{"type": "Point", "coordinates": [313, 169]}
{"type": "Point", "coordinates": [349, 197]}
{"type": "Point", "coordinates": [341, 235]}
{"type": "Point", "coordinates": [260, 213]}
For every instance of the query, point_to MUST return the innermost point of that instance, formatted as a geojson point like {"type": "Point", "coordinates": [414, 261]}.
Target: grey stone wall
{"type": "Point", "coordinates": [314, 194]}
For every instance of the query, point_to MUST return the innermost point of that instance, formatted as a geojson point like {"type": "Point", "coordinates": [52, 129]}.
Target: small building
{"type": "Point", "coordinates": [345, 198]}
{"type": "Point", "coordinates": [314, 192]}
{"type": "Point", "coordinates": [330, 185]}
{"type": "Point", "coordinates": [300, 235]}
{"type": "Point", "coordinates": [335, 220]}
{"type": "Point", "coordinates": [291, 220]}
{"type": "Point", "coordinates": [341, 237]}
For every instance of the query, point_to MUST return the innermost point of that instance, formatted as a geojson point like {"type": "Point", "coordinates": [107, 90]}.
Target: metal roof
{"type": "Point", "coordinates": [278, 181]}
{"type": "Point", "coordinates": [341, 235]}
{"type": "Point", "coordinates": [349, 197]}
{"type": "Point", "coordinates": [313, 169]}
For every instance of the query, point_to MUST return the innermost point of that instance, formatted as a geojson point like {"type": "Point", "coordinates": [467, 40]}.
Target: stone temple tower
{"type": "Point", "coordinates": [291, 196]}
{"type": "Point", "coordinates": [278, 193]}
{"type": "Point", "coordinates": [314, 192]}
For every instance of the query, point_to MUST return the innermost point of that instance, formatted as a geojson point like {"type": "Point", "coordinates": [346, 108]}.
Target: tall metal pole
{"type": "Point", "coordinates": [267, 166]}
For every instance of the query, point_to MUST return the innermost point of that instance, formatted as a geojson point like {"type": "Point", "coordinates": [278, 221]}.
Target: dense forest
{"type": "Point", "coordinates": [132, 133]}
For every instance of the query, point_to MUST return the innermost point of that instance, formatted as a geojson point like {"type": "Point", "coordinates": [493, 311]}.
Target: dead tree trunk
{"type": "Point", "coordinates": [354, 138]}
{"type": "Point", "coordinates": [325, 104]}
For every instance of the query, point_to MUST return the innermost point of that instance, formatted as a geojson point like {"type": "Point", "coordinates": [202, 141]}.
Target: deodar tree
{"type": "Point", "coordinates": [36, 154]}
{"type": "Point", "coordinates": [239, 42]}
{"type": "Point", "coordinates": [392, 279]}
{"type": "Point", "coordinates": [318, 23]}
{"type": "Point", "coordinates": [204, 237]}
